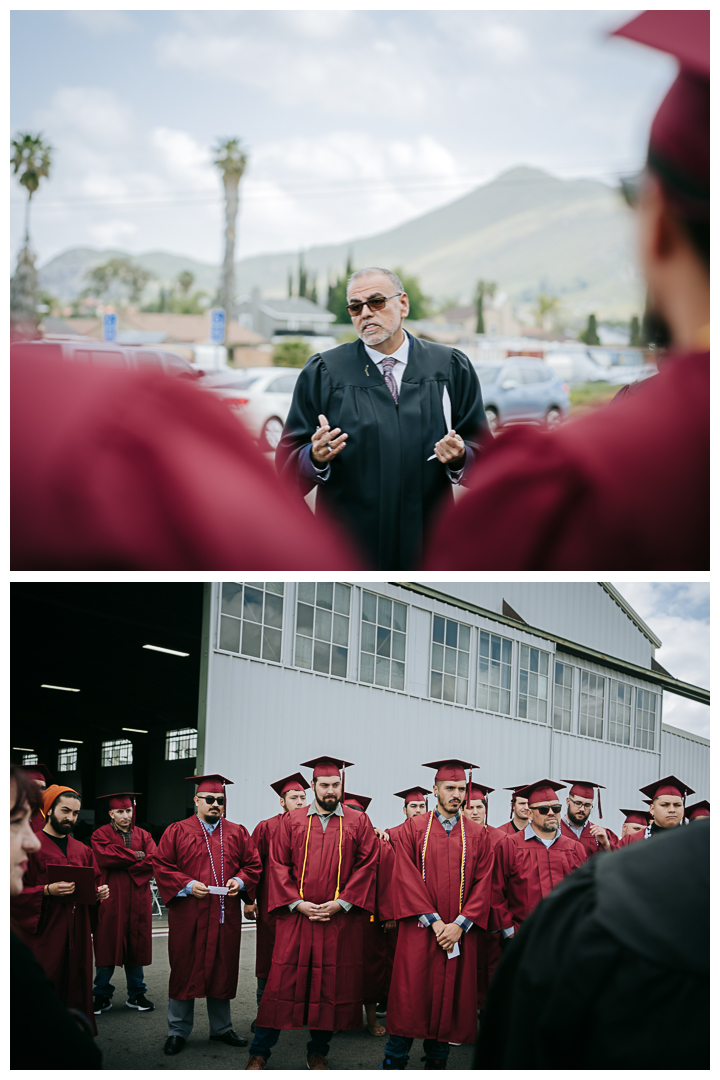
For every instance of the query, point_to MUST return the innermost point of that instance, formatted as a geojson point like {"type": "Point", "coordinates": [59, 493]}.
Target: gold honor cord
{"type": "Point", "coordinates": [307, 838]}
{"type": "Point", "coordinates": [464, 851]}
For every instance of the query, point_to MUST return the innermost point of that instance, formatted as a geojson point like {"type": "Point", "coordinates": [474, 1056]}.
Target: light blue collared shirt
{"type": "Point", "coordinates": [529, 833]}
{"type": "Point", "coordinates": [210, 827]}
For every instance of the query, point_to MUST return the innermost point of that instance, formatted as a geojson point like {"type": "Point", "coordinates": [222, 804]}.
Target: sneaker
{"type": "Point", "coordinates": [256, 1061]}
{"type": "Point", "coordinates": [394, 1063]}
{"type": "Point", "coordinates": [140, 1003]}
{"type": "Point", "coordinates": [101, 1004]}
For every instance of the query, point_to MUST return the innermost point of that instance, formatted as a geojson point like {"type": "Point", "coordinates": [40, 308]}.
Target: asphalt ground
{"type": "Point", "coordinates": [132, 1040]}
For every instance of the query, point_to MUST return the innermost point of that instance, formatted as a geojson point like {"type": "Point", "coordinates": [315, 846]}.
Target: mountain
{"type": "Point", "coordinates": [526, 230]}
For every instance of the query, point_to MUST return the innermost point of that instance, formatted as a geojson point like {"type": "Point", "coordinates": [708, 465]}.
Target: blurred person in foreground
{"type": "Point", "coordinates": [42, 777]}
{"type": "Point", "coordinates": [383, 426]}
{"type": "Point", "coordinates": [112, 469]}
{"type": "Point", "coordinates": [625, 940]}
{"type": "Point", "coordinates": [627, 486]}
{"type": "Point", "coordinates": [67, 1038]}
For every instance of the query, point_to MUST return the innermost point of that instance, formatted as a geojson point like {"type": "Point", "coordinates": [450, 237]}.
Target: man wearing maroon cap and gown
{"type": "Point", "coordinates": [441, 894]}
{"type": "Point", "coordinates": [488, 946]}
{"type": "Point", "coordinates": [635, 821]}
{"type": "Point", "coordinates": [531, 863]}
{"type": "Point", "coordinates": [577, 823]}
{"type": "Point", "coordinates": [124, 933]}
{"type": "Point", "coordinates": [57, 929]}
{"type": "Point", "coordinates": [414, 803]}
{"type": "Point", "coordinates": [667, 808]}
{"type": "Point", "coordinates": [595, 492]}
{"type": "Point", "coordinates": [291, 791]}
{"type": "Point", "coordinates": [205, 851]}
{"type": "Point", "coordinates": [697, 811]}
{"type": "Point", "coordinates": [519, 815]}
{"type": "Point", "coordinates": [322, 869]}
{"type": "Point", "coordinates": [42, 777]}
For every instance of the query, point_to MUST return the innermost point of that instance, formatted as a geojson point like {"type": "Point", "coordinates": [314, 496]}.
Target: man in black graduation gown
{"type": "Point", "coordinates": [383, 426]}
{"type": "Point", "coordinates": [612, 970]}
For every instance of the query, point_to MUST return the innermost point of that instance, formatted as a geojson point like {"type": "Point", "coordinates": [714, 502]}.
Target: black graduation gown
{"type": "Point", "coordinates": [612, 970]}
{"type": "Point", "coordinates": [381, 486]}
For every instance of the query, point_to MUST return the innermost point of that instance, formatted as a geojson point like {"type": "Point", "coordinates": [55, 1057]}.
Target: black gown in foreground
{"type": "Point", "coordinates": [612, 971]}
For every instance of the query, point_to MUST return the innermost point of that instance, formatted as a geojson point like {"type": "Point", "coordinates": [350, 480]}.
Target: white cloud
{"type": "Point", "coordinates": [98, 23]}
{"type": "Point", "coordinates": [112, 233]}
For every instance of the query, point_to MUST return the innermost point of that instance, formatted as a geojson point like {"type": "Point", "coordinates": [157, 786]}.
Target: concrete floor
{"type": "Point", "coordinates": [132, 1040]}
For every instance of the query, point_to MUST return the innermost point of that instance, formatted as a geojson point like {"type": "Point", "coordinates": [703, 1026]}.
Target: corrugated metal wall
{"type": "Point", "coordinates": [688, 758]}
{"type": "Point", "coordinates": [264, 719]}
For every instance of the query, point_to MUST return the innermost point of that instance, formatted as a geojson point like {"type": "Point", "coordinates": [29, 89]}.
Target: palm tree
{"type": "Point", "coordinates": [32, 158]}
{"type": "Point", "coordinates": [231, 160]}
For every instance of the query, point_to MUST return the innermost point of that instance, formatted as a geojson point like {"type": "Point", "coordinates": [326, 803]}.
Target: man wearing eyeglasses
{"type": "Point", "coordinates": [529, 864]}
{"type": "Point", "coordinates": [202, 866]}
{"type": "Point", "coordinates": [577, 823]}
{"type": "Point", "coordinates": [383, 426]}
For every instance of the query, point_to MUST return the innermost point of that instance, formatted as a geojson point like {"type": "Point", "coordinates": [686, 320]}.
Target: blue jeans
{"type": "Point", "coordinates": [133, 975]}
{"type": "Point", "coordinates": [397, 1048]}
{"type": "Point", "coordinates": [267, 1037]}
{"type": "Point", "coordinates": [261, 984]}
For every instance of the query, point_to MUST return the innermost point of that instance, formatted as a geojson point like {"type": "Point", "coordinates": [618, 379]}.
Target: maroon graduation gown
{"type": "Point", "coordinates": [488, 944]}
{"type": "Point", "coordinates": [37, 821]}
{"type": "Point", "coordinates": [58, 932]}
{"type": "Point", "coordinates": [316, 973]}
{"type": "Point", "coordinates": [525, 872]}
{"type": "Point", "coordinates": [377, 958]}
{"type": "Point", "coordinates": [586, 838]}
{"type": "Point", "coordinates": [124, 932]}
{"type": "Point", "coordinates": [266, 920]}
{"type": "Point", "coordinates": [432, 997]}
{"type": "Point", "coordinates": [204, 954]}
{"type": "Point", "coordinates": [596, 491]}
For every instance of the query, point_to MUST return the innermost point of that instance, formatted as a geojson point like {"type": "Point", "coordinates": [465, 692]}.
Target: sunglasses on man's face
{"type": "Point", "coordinates": [210, 799]}
{"type": "Point", "coordinates": [547, 809]}
{"type": "Point", "coordinates": [375, 303]}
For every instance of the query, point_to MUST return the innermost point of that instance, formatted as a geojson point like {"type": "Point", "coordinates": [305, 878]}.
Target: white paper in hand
{"type": "Point", "coordinates": [455, 951]}
{"type": "Point", "coordinates": [447, 409]}
{"type": "Point", "coordinates": [218, 890]}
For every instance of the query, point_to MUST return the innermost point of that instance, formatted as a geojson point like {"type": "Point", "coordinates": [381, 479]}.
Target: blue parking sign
{"type": "Point", "coordinates": [217, 326]}
{"type": "Point", "coordinates": [110, 327]}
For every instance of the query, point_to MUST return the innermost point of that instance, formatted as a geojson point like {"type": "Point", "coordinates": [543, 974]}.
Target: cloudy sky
{"type": "Point", "coordinates": [354, 120]}
{"type": "Point", "coordinates": [680, 616]}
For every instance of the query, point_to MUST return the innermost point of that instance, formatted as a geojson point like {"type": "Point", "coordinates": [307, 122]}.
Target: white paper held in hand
{"type": "Point", "coordinates": [447, 414]}
{"type": "Point", "coordinates": [455, 951]}
{"type": "Point", "coordinates": [218, 890]}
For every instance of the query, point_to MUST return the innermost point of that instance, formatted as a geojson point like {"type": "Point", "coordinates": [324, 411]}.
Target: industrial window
{"type": "Point", "coordinates": [450, 663]}
{"type": "Point", "coordinates": [251, 619]}
{"type": "Point", "coordinates": [116, 752]}
{"type": "Point", "coordinates": [29, 759]}
{"type": "Point", "coordinates": [382, 641]}
{"type": "Point", "coordinates": [494, 672]}
{"type": "Point", "coordinates": [181, 743]}
{"type": "Point", "coordinates": [322, 627]}
{"type": "Point", "coordinates": [67, 759]}
{"type": "Point", "coordinates": [592, 704]}
{"type": "Point", "coordinates": [533, 684]}
{"type": "Point", "coordinates": [645, 713]}
{"type": "Point", "coordinates": [562, 701]}
{"type": "Point", "coordinates": [620, 717]}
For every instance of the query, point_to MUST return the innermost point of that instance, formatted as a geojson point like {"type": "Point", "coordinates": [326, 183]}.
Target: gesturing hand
{"type": "Point", "coordinates": [233, 886]}
{"type": "Point", "coordinates": [600, 835]}
{"type": "Point", "coordinates": [326, 444]}
{"type": "Point", "coordinates": [450, 449]}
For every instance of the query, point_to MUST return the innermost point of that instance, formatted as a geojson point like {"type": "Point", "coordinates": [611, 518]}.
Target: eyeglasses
{"type": "Point", "coordinates": [547, 809]}
{"type": "Point", "coordinates": [585, 805]}
{"type": "Point", "coordinates": [211, 799]}
{"type": "Point", "coordinates": [375, 303]}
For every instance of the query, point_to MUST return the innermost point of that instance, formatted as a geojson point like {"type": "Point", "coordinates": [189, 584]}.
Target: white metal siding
{"type": "Point", "coordinates": [689, 760]}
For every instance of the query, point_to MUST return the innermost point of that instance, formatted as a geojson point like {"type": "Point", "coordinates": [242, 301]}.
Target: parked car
{"type": "Point", "coordinates": [522, 390]}
{"type": "Point", "coordinates": [260, 397]}
{"type": "Point", "coordinates": [105, 353]}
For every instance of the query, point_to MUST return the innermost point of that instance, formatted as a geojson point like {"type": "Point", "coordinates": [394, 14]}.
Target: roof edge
{"type": "Point", "coordinates": [685, 734]}
{"type": "Point", "coordinates": [630, 612]}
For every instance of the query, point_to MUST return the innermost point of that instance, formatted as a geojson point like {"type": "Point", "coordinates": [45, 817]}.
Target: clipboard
{"type": "Point", "coordinates": [84, 878]}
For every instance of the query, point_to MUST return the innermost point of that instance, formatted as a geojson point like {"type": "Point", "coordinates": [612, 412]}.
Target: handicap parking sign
{"type": "Point", "coordinates": [217, 326]}
{"type": "Point", "coordinates": [110, 327]}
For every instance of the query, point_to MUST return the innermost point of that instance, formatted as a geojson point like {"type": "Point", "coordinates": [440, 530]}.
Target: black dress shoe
{"type": "Point", "coordinates": [174, 1044]}
{"type": "Point", "coordinates": [230, 1038]}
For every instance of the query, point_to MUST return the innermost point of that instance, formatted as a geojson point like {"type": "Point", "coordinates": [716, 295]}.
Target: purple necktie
{"type": "Point", "coordinates": [387, 365]}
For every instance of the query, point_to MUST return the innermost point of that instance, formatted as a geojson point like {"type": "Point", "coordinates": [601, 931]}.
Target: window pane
{"type": "Point", "coordinates": [383, 642]}
{"type": "Point", "coordinates": [306, 592]}
{"type": "Point", "coordinates": [305, 619]}
{"type": "Point", "coordinates": [367, 640]}
{"type": "Point", "coordinates": [542, 686]}
{"type": "Point", "coordinates": [321, 658]}
{"type": "Point", "coordinates": [398, 646]}
{"type": "Point", "coordinates": [325, 594]}
{"type": "Point", "coordinates": [541, 710]}
{"type": "Point", "coordinates": [323, 624]}
{"type": "Point", "coordinates": [252, 604]}
{"type": "Point", "coordinates": [495, 647]}
{"type": "Point", "coordinates": [464, 638]}
{"type": "Point", "coordinates": [450, 660]}
{"type": "Point", "coordinates": [339, 661]}
{"type": "Point", "coordinates": [341, 629]}
{"type": "Point", "coordinates": [448, 688]}
{"type": "Point", "coordinates": [232, 598]}
{"type": "Point", "coordinates": [524, 656]}
{"type": "Point", "coordinates": [229, 634]}
{"type": "Point", "coordinates": [543, 663]}
{"type": "Point", "coordinates": [273, 610]}
{"type": "Point", "coordinates": [462, 689]}
{"type": "Point", "coordinates": [272, 643]}
{"type": "Point", "coordinates": [534, 656]}
{"type": "Point", "coordinates": [438, 629]}
{"type": "Point", "coordinates": [504, 701]}
{"type": "Point", "coordinates": [275, 587]}
{"type": "Point", "coordinates": [342, 599]}
{"type": "Point", "coordinates": [435, 684]}
{"type": "Point", "coordinates": [367, 667]}
{"type": "Point", "coordinates": [400, 617]}
{"type": "Point", "coordinates": [437, 657]}
{"type": "Point", "coordinates": [494, 700]}
{"type": "Point", "coordinates": [398, 676]}
{"type": "Point", "coordinates": [251, 639]}
{"type": "Point", "coordinates": [369, 606]}
{"type": "Point", "coordinates": [382, 672]}
{"type": "Point", "coordinates": [506, 651]}
{"type": "Point", "coordinates": [463, 663]}
{"type": "Point", "coordinates": [303, 652]}
{"type": "Point", "coordinates": [484, 643]}
{"type": "Point", "coordinates": [384, 616]}
{"type": "Point", "coordinates": [451, 629]}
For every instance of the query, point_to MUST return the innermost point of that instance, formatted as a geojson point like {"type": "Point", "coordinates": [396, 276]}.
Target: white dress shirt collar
{"type": "Point", "coordinates": [401, 354]}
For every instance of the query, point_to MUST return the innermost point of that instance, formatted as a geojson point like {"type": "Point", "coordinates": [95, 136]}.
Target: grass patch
{"type": "Point", "coordinates": [587, 396]}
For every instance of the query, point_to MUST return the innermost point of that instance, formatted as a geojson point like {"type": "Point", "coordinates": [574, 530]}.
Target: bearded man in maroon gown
{"type": "Point", "coordinates": [124, 933]}
{"type": "Point", "coordinates": [577, 824]}
{"type": "Point", "coordinates": [323, 863]}
{"type": "Point", "coordinates": [42, 777]}
{"type": "Point", "coordinates": [58, 930]}
{"type": "Point", "coordinates": [519, 814]}
{"type": "Point", "coordinates": [596, 491]}
{"type": "Point", "coordinates": [203, 853]}
{"type": "Point", "coordinates": [667, 808]}
{"type": "Point", "coordinates": [441, 894]}
{"type": "Point", "coordinates": [488, 946]}
{"type": "Point", "coordinates": [292, 795]}
{"type": "Point", "coordinates": [529, 864]}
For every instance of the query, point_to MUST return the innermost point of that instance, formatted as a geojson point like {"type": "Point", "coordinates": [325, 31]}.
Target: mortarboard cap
{"type": "Point", "coordinates": [412, 794]}
{"type": "Point", "coordinates": [585, 789]}
{"type": "Point", "coordinates": [214, 784]}
{"type": "Point", "coordinates": [357, 802]}
{"type": "Point", "coordinates": [124, 800]}
{"type": "Point", "coordinates": [539, 791]}
{"type": "Point", "coordinates": [450, 769]}
{"type": "Point", "coordinates": [698, 809]}
{"type": "Point", "coordinates": [296, 782]}
{"type": "Point", "coordinates": [636, 817]}
{"type": "Point", "coordinates": [37, 772]}
{"type": "Point", "coordinates": [325, 766]}
{"type": "Point", "coordinates": [669, 785]}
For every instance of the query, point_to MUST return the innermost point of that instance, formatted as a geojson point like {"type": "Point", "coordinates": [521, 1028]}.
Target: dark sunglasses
{"type": "Point", "coordinates": [211, 799]}
{"type": "Point", "coordinates": [546, 809]}
{"type": "Point", "coordinates": [375, 303]}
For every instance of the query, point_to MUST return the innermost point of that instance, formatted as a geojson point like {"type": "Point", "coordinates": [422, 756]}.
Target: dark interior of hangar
{"type": "Point", "coordinates": [90, 638]}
